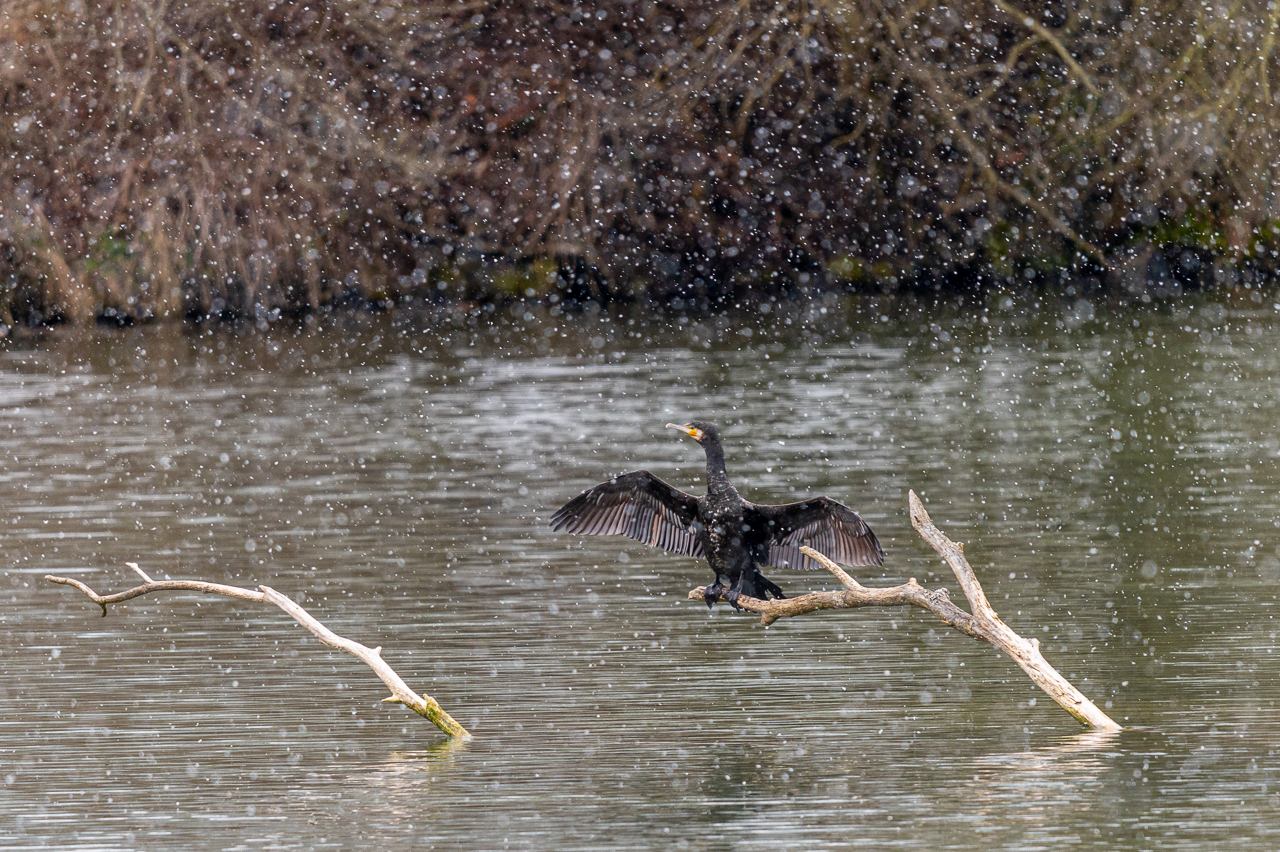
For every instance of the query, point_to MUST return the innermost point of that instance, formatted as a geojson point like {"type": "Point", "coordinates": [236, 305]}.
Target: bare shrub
{"type": "Point", "coordinates": [259, 156]}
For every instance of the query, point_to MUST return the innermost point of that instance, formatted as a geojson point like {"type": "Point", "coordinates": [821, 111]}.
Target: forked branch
{"type": "Point", "coordinates": [423, 705]}
{"type": "Point", "coordinates": [982, 623]}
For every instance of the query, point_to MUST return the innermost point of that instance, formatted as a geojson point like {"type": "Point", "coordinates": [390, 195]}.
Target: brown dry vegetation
{"type": "Point", "coordinates": [161, 159]}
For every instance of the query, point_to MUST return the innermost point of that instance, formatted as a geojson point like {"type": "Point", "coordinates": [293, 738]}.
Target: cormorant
{"type": "Point", "coordinates": [734, 536]}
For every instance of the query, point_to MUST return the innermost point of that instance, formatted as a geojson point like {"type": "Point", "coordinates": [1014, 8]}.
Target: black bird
{"type": "Point", "coordinates": [733, 535]}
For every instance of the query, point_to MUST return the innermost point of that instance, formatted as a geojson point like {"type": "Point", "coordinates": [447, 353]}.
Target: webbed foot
{"type": "Point", "coordinates": [713, 593]}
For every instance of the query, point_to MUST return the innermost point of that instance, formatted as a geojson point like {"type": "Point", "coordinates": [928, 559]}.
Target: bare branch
{"type": "Point", "coordinates": [982, 623]}
{"type": "Point", "coordinates": [138, 570]}
{"type": "Point", "coordinates": [1046, 34]}
{"type": "Point", "coordinates": [937, 91]}
{"type": "Point", "coordinates": [953, 553]}
{"type": "Point", "coordinates": [423, 705]}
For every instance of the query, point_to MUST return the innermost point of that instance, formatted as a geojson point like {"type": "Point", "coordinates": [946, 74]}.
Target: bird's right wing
{"type": "Point", "coordinates": [638, 505]}
{"type": "Point", "coordinates": [829, 527]}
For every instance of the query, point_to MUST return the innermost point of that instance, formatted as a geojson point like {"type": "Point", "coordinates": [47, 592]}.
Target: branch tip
{"type": "Point", "coordinates": [919, 517]}
{"type": "Point", "coordinates": [138, 570]}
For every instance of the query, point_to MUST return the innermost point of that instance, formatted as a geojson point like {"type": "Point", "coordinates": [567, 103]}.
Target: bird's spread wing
{"type": "Point", "coordinates": [830, 528]}
{"type": "Point", "coordinates": [638, 505]}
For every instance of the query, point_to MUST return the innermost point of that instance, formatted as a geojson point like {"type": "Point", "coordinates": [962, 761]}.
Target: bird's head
{"type": "Point", "coordinates": [704, 433]}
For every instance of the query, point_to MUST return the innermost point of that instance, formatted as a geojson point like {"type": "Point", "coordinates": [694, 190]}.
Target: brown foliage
{"type": "Point", "coordinates": [250, 156]}
{"type": "Point", "coordinates": [212, 157]}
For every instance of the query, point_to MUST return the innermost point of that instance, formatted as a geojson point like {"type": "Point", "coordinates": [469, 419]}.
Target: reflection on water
{"type": "Point", "coordinates": [1113, 475]}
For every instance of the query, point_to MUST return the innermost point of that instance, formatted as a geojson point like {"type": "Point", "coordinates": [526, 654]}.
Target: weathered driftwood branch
{"type": "Point", "coordinates": [982, 623]}
{"type": "Point", "coordinates": [423, 705]}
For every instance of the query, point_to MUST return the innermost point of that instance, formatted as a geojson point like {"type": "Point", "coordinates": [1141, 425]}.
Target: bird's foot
{"type": "Point", "coordinates": [732, 597]}
{"type": "Point", "coordinates": [712, 593]}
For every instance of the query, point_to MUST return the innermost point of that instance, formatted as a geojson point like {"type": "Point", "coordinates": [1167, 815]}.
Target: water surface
{"type": "Point", "coordinates": [1111, 471]}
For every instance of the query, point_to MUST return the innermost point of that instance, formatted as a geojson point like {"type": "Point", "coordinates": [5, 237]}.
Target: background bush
{"type": "Point", "coordinates": [160, 159]}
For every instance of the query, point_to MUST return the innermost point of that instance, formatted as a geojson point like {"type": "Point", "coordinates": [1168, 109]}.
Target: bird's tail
{"type": "Point", "coordinates": [757, 585]}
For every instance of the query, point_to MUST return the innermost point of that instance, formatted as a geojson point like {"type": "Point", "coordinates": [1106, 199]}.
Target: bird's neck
{"type": "Point", "coordinates": [717, 476]}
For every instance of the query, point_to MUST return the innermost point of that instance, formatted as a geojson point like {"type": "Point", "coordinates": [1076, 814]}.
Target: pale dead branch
{"type": "Point", "coordinates": [982, 623]}
{"type": "Point", "coordinates": [423, 705]}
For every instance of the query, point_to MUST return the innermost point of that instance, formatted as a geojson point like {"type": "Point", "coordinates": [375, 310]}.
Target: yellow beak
{"type": "Point", "coordinates": [695, 434]}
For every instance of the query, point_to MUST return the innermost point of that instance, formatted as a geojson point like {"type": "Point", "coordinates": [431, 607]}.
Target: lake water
{"type": "Point", "coordinates": [1113, 473]}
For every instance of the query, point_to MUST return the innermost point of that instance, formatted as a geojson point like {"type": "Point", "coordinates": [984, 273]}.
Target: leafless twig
{"type": "Point", "coordinates": [423, 705]}
{"type": "Point", "coordinates": [1046, 34]}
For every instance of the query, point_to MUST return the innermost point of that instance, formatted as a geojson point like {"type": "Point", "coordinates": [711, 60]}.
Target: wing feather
{"type": "Point", "coordinates": [829, 527]}
{"type": "Point", "coordinates": [610, 519]}
{"type": "Point", "coordinates": [638, 505]}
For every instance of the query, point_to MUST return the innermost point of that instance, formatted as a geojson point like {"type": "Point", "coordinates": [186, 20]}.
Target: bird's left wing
{"type": "Point", "coordinates": [829, 527]}
{"type": "Point", "coordinates": [638, 505]}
